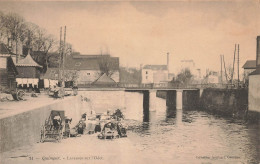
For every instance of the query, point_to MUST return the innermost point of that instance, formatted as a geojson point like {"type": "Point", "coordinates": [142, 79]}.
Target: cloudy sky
{"type": "Point", "coordinates": [143, 32]}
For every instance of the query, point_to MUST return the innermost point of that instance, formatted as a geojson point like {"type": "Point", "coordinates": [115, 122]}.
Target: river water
{"type": "Point", "coordinates": [161, 135]}
{"type": "Point", "coordinates": [195, 136]}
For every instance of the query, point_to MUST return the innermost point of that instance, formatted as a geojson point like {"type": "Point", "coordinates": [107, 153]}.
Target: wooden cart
{"type": "Point", "coordinates": [54, 126]}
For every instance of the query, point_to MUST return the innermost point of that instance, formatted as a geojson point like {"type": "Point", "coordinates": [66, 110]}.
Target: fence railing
{"type": "Point", "coordinates": [161, 86]}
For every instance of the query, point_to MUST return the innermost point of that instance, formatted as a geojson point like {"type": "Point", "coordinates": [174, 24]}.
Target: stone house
{"type": "Point", "coordinates": [88, 67]}
{"type": "Point", "coordinates": [154, 74]}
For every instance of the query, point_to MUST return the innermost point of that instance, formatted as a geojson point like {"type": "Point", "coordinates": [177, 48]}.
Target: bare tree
{"type": "Point", "coordinates": [2, 30]}
{"type": "Point", "coordinates": [106, 65]}
{"type": "Point", "coordinates": [14, 27]}
{"type": "Point", "coordinates": [183, 78]}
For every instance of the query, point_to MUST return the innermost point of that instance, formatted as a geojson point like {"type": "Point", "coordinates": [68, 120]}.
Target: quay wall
{"type": "Point", "coordinates": [231, 102]}
{"type": "Point", "coordinates": [24, 128]}
{"type": "Point", "coordinates": [101, 101]}
{"type": "Point", "coordinates": [226, 102]}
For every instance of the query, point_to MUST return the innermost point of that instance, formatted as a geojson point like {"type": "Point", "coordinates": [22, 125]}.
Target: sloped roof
{"type": "Point", "coordinates": [104, 79]}
{"type": "Point", "coordinates": [250, 64]}
{"type": "Point", "coordinates": [90, 62]}
{"type": "Point", "coordinates": [11, 62]}
{"type": "Point", "coordinates": [28, 61]}
{"type": "Point", "coordinates": [256, 72]}
{"type": "Point", "coordinates": [4, 49]}
{"type": "Point", "coordinates": [155, 67]}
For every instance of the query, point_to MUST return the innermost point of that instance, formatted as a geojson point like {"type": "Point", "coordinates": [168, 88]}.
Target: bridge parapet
{"type": "Point", "coordinates": [157, 86]}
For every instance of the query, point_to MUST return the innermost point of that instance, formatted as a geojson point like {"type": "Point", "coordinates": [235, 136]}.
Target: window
{"type": "Point", "coordinates": [88, 73]}
{"type": "Point", "coordinates": [146, 72]}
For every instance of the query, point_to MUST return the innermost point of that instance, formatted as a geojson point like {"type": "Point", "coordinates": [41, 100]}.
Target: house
{"type": "Point", "coordinates": [254, 83]}
{"type": "Point", "coordinates": [154, 74]}
{"type": "Point", "coordinates": [28, 72]}
{"type": "Point", "coordinates": [211, 77]}
{"type": "Point", "coordinates": [90, 67]}
{"type": "Point", "coordinates": [249, 67]}
{"type": "Point", "coordinates": [8, 71]}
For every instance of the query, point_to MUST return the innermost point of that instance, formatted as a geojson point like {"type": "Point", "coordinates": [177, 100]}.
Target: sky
{"type": "Point", "coordinates": [143, 32]}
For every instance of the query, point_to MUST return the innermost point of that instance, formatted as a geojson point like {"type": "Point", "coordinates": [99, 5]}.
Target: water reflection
{"type": "Point", "coordinates": [190, 133]}
{"type": "Point", "coordinates": [178, 119]}
{"type": "Point", "coordinates": [182, 135]}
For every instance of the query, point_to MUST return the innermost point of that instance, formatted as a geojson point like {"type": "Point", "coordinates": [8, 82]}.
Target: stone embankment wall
{"type": "Point", "coordinates": [231, 102]}
{"type": "Point", "coordinates": [24, 128]}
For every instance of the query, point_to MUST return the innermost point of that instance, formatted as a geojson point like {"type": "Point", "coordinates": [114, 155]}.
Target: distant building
{"type": "Point", "coordinates": [249, 67]}
{"type": "Point", "coordinates": [89, 68]}
{"type": "Point", "coordinates": [8, 71]}
{"type": "Point", "coordinates": [188, 64]}
{"type": "Point", "coordinates": [211, 77]}
{"type": "Point", "coordinates": [154, 74]}
{"type": "Point", "coordinates": [196, 72]}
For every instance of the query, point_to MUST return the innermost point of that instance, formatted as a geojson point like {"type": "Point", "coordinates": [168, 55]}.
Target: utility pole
{"type": "Point", "coordinates": [233, 64]}
{"type": "Point", "coordinates": [60, 56]}
{"type": "Point", "coordinates": [63, 61]}
{"type": "Point", "coordinates": [238, 65]}
{"type": "Point", "coordinates": [225, 68]}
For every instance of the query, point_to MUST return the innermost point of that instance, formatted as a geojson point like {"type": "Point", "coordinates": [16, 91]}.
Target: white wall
{"type": "Point", "coordinates": [160, 75]}
{"type": "Point", "coordinates": [147, 76]}
{"type": "Point", "coordinates": [101, 101]}
{"type": "Point", "coordinates": [254, 93]}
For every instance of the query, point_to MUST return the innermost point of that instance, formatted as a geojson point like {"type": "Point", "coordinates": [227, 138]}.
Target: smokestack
{"type": "Point", "coordinates": [258, 52]}
{"type": "Point", "coordinates": [168, 60]}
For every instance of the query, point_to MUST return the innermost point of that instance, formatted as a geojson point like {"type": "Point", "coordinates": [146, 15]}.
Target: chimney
{"type": "Point", "coordinates": [258, 52]}
{"type": "Point", "coordinates": [168, 60]}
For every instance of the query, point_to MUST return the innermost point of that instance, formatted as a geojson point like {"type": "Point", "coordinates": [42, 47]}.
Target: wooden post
{"type": "Point", "coordinates": [233, 64]}
{"type": "Point", "coordinates": [63, 63]}
{"type": "Point", "coordinates": [238, 65]}
{"type": "Point", "coordinates": [60, 55]}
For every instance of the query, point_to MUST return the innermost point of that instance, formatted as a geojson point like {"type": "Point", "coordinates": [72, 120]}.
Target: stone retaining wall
{"type": "Point", "coordinates": [24, 128]}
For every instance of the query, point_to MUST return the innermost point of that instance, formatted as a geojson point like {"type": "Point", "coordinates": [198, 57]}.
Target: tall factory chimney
{"type": "Point", "coordinates": [168, 60]}
{"type": "Point", "coordinates": [258, 52]}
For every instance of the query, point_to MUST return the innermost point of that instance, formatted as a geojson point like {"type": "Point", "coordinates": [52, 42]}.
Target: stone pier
{"type": "Point", "coordinates": [179, 99]}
